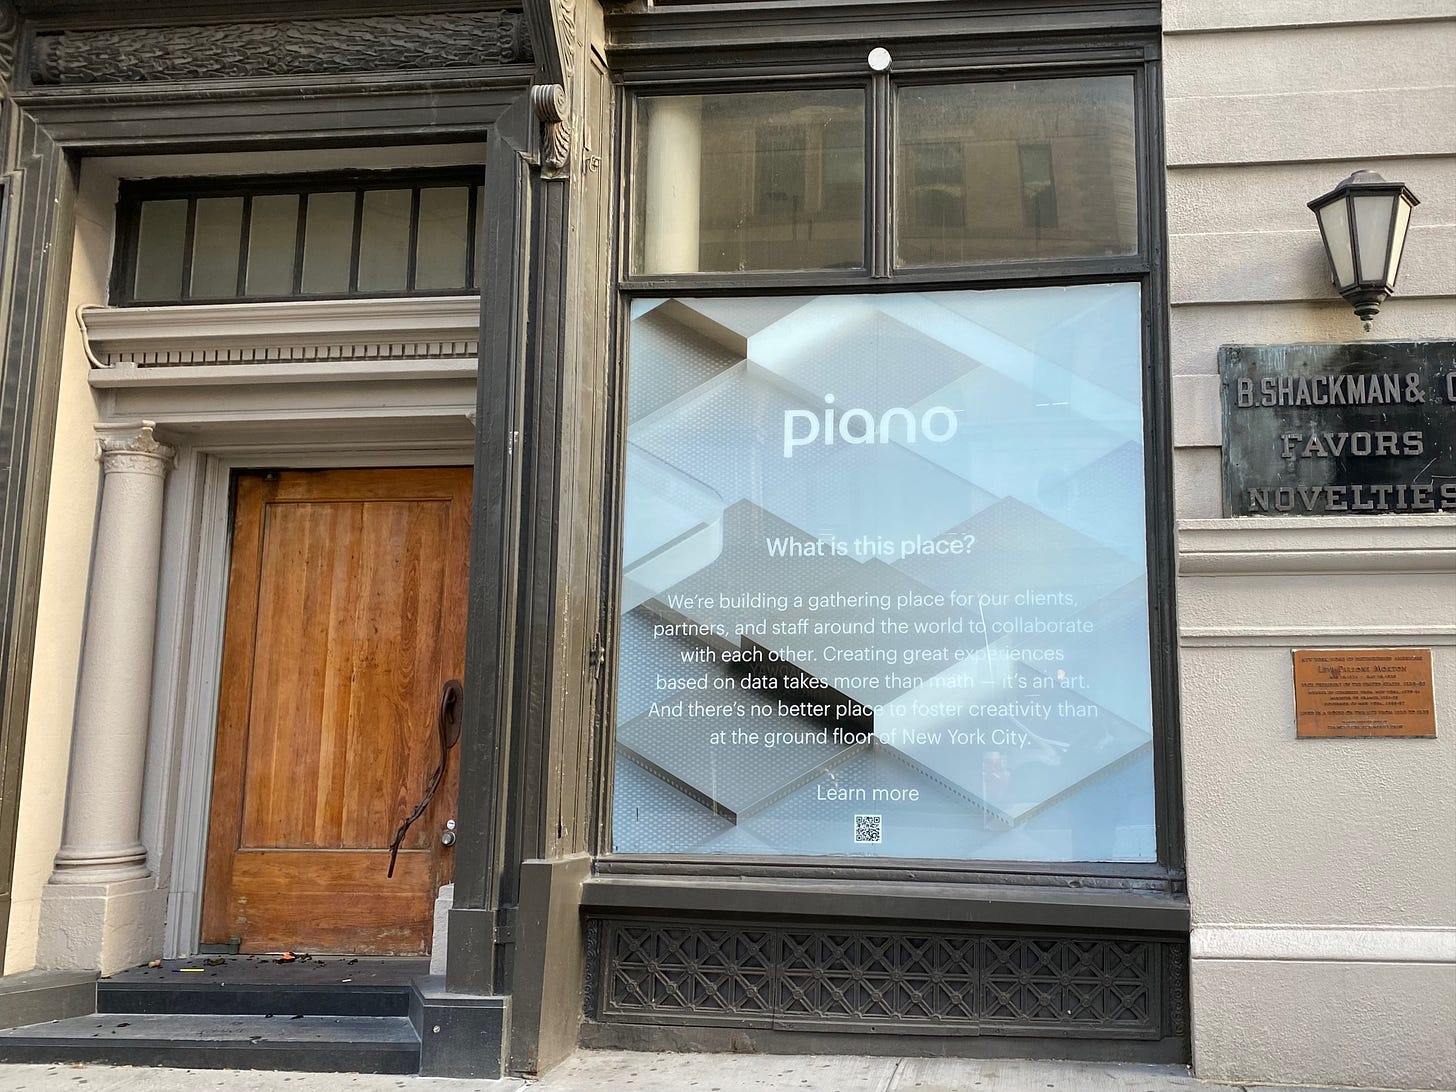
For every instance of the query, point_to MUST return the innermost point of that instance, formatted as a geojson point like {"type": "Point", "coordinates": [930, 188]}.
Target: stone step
{"type": "Point", "coordinates": [317, 1044]}
{"type": "Point", "coordinates": [252, 999]}
{"type": "Point", "coordinates": [258, 986]}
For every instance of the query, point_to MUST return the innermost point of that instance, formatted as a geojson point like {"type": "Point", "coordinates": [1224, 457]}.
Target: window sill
{"type": "Point", "coordinates": [902, 902]}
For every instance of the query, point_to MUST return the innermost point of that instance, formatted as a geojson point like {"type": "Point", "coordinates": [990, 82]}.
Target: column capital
{"type": "Point", "coordinates": [133, 448]}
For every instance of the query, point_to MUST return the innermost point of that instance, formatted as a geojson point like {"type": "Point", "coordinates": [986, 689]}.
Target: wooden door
{"type": "Point", "coordinates": [345, 617]}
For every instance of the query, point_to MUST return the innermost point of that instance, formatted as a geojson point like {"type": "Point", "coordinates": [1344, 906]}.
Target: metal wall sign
{"type": "Point", "coordinates": [1339, 429]}
{"type": "Point", "coordinates": [1345, 693]}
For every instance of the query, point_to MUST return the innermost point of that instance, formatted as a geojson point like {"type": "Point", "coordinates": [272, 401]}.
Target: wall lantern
{"type": "Point", "coordinates": [1363, 221]}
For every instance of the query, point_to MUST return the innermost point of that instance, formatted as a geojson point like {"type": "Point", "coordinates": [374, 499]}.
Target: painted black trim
{"type": "Point", "coordinates": [935, 63]}
{"type": "Point", "coordinates": [44, 132]}
{"type": "Point", "coordinates": [495, 558]}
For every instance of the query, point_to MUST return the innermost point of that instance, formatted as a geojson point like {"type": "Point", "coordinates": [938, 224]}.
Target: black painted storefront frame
{"type": "Point", "coordinates": [776, 46]}
{"type": "Point", "coordinates": [51, 129]}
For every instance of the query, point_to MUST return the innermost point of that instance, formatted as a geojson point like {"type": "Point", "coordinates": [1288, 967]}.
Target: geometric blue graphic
{"type": "Point", "coordinates": [885, 578]}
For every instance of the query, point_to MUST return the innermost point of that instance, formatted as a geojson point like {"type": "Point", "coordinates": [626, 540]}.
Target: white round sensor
{"type": "Point", "coordinates": [879, 59]}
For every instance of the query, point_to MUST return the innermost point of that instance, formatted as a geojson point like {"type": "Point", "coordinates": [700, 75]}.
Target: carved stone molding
{"type": "Point", "coordinates": [326, 334]}
{"type": "Point", "coordinates": [553, 26]}
{"type": "Point", "coordinates": [133, 449]}
{"type": "Point", "coordinates": [552, 111]}
{"type": "Point", "coordinates": [9, 26]}
{"type": "Point", "coordinates": [302, 47]}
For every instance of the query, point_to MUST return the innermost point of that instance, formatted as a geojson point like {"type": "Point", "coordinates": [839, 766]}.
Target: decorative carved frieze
{"type": "Point", "coordinates": [301, 47]}
{"type": "Point", "coordinates": [328, 353]}
{"type": "Point", "coordinates": [9, 27]}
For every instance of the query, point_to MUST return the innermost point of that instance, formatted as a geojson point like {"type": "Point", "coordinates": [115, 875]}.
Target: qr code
{"type": "Point", "coordinates": [867, 829]}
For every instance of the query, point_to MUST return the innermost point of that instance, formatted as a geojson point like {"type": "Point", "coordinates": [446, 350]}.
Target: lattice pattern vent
{"type": "Point", "coordinates": [885, 980]}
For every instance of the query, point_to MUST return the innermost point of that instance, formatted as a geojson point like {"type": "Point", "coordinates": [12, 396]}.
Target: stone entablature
{"type": "Point", "coordinates": [322, 335]}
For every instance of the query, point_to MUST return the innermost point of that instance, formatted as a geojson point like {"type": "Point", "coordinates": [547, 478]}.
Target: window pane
{"type": "Point", "coordinates": [766, 180]}
{"type": "Point", "coordinates": [1031, 169]}
{"type": "Point", "coordinates": [884, 583]}
{"type": "Point", "coordinates": [328, 243]}
{"type": "Point", "coordinates": [440, 248]}
{"type": "Point", "coordinates": [217, 241]}
{"type": "Point", "coordinates": [272, 244]}
{"type": "Point", "coordinates": [160, 241]}
{"type": "Point", "coordinates": [384, 247]}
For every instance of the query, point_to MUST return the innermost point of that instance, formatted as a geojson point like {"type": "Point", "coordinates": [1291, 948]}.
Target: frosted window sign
{"type": "Point", "coordinates": [384, 244]}
{"type": "Point", "coordinates": [161, 239]}
{"type": "Point", "coordinates": [884, 586]}
{"type": "Point", "coordinates": [440, 249]}
{"type": "Point", "coordinates": [272, 234]}
{"type": "Point", "coordinates": [216, 246]}
{"type": "Point", "coordinates": [328, 243]}
{"type": "Point", "coordinates": [1023, 170]}
{"type": "Point", "coordinates": [760, 180]}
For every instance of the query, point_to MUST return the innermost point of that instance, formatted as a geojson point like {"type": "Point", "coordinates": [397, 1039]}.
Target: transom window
{"type": "Point", "coordinates": [918, 176]}
{"type": "Point", "coordinates": [298, 237]}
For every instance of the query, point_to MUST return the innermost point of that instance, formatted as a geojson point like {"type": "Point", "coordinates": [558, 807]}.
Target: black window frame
{"type": "Point", "coordinates": [927, 62]}
{"type": "Point", "coordinates": [132, 193]}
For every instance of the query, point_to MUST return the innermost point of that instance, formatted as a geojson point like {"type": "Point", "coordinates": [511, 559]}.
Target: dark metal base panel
{"type": "Point", "coordinates": [461, 1035]}
{"type": "Point", "coordinates": [835, 988]}
{"type": "Point", "coordinates": [316, 1044]}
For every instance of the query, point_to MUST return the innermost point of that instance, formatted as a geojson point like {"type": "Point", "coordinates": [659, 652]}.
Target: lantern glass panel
{"type": "Point", "coordinates": [1373, 212]}
{"type": "Point", "coordinates": [1334, 220]}
{"type": "Point", "coordinates": [1397, 243]}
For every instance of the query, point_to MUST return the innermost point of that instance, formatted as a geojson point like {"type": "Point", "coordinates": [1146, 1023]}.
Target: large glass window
{"type": "Point", "coordinates": [885, 576]}
{"type": "Point", "coordinates": [1030, 169]}
{"type": "Point", "coordinates": [761, 180]}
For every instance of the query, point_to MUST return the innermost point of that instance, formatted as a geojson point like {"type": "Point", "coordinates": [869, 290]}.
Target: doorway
{"type": "Point", "coordinates": [345, 617]}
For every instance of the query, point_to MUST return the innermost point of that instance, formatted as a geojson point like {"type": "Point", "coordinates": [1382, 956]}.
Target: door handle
{"type": "Point", "coordinates": [447, 836]}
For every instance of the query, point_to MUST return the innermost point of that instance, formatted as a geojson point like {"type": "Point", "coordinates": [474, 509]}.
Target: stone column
{"type": "Point", "coordinates": [97, 912]}
{"type": "Point", "coordinates": [672, 178]}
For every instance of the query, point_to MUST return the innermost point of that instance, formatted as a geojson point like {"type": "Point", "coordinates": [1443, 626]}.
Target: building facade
{"type": "Point", "coordinates": [710, 521]}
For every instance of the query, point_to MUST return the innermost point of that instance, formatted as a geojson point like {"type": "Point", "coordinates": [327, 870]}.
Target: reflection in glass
{"type": "Point", "coordinates": [384, 245]}
{"type": "Point", "coordinates": [761, 180]}
{"type": "Point", "coordinates": [440, 248]}
{"type": "Point", "coordinates": [216, 241]}
{"type": "Point", "coordinates": [884, 585]}
{"type": "Point", "coordinates": [1030, 169]}
{"type": "Point", "coordinates": [272, 243]}
{"type": "Point", "coordinates": [160, 241]}
{"type": "Point", "coordinates": [328, 243]}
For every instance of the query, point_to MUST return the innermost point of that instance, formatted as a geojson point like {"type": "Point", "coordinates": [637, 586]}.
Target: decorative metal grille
{"type": "Point", "coordinates": [883, 980]}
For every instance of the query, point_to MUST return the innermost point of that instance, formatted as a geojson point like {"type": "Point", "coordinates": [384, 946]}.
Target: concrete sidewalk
{"type": "Point", "coordinates": [620, 1071]}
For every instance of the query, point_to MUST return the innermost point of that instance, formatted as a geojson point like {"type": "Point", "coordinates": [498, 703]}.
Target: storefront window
{"type": "Point", "coordinates": [1030, 169]}
{"type": "Point", "coordinates": [755, 181]}
{"type": "Point", "coordinates": [885, 574]}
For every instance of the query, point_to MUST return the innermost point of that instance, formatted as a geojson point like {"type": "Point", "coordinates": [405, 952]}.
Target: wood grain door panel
{"type": "Point", "coordinates": [345, 616]}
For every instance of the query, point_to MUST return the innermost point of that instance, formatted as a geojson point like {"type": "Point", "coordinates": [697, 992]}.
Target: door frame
{"type": "Point", "coordinates": [186, 683]}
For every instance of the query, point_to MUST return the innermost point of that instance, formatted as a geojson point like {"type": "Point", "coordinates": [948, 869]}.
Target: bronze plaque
{"type": "Point", "coordinates": [1361, 692]}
